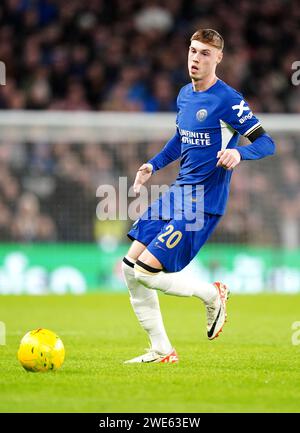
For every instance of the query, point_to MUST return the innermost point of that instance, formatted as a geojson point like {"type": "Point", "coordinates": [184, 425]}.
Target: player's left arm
{"type": "Point", "coordinates": [241, 118]}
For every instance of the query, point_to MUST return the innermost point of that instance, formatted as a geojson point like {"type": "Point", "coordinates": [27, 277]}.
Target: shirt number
{"type": "Point", "coordinates": [174, 237]}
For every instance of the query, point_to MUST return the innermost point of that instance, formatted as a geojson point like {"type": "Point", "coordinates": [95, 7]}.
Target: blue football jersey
{"type": "Point", "coordinates": [208, 121]}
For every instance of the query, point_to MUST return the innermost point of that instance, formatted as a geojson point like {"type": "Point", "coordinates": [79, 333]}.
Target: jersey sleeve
{"type": "Point", "coordinates": [171, 151]}
{"type": "Point", "coordinates": [239, 115]}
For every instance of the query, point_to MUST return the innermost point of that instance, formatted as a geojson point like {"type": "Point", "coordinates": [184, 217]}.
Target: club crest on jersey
{"type": "Point", "coordinates": [201, 114]}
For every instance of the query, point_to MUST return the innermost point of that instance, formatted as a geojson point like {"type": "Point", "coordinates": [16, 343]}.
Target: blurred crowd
{"type": "Point", "coordinates": [48, 193]}
{"type": "Point", "coordinates": [131, 55]}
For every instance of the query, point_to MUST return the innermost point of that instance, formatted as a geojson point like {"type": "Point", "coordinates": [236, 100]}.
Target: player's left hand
{"type": "Point", "coordinates": [228, 158]}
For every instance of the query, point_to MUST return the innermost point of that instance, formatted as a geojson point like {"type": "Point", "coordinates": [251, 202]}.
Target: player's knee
{"type": "Point", "coordinates": [127, 264]}
{"type": "Point", "coordinates": [144, 278]}
{"type": "Point", "coordinates": [146, 275]}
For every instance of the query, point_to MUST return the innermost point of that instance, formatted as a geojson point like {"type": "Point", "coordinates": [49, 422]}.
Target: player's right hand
{"type": "Point", "coordinates": [142, 175]}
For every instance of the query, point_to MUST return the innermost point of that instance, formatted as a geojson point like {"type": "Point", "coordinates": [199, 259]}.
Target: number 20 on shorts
{"type": "Point", "coordinates": [172, 237]}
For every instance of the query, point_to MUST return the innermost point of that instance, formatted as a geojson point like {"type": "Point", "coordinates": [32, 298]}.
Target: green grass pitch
{"type": "Point", "coordinates": [252, 367]}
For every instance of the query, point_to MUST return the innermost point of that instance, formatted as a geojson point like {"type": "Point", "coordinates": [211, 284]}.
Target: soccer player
{"type": "Point", "coordinates": [210, 117]}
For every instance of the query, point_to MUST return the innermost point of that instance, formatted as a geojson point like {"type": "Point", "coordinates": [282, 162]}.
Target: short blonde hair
{"type": "Point", "coordinates": [210, 37]}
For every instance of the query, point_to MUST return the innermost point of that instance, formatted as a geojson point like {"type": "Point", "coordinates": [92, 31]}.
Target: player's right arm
{"type": "Point", "coordinates": [170, 152]}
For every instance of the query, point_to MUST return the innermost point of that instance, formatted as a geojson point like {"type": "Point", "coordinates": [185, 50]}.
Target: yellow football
{"type": "Point", "coordinates": [41, 350]}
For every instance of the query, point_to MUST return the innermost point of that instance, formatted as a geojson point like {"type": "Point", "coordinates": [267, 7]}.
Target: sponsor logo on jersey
{"type": "Point", "coordinates": [241, 108]}
{"type": "Point", "coordinates": [201, 114]}
{"type": "Point", "coordinates": [244, 118]}
{"type": "Point", "coordinates": [195, 137]}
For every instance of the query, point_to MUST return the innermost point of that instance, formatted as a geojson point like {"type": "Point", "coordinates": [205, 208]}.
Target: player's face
{"type": "Point", "coordinates": [202, 60]}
